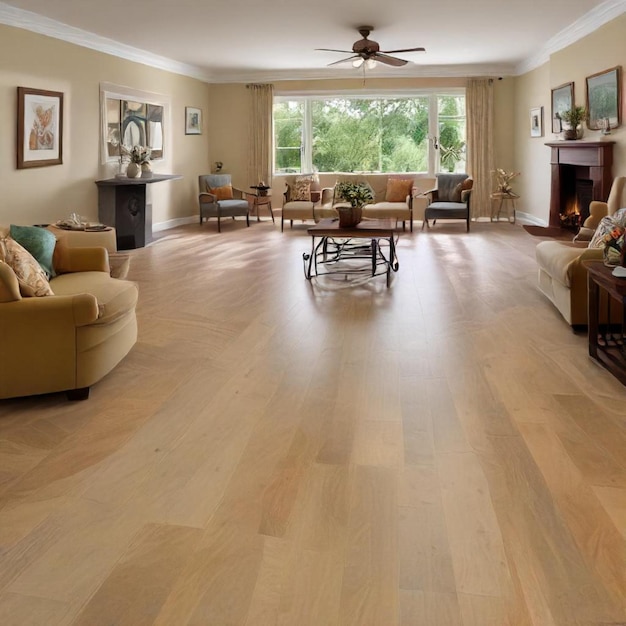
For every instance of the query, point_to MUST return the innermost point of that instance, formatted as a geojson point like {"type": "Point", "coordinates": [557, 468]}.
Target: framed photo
{"type": "Point", "coordinates": [604, 99]}
{"type": "Point", "coordinates": [562, 100]}
{"type": "Point", "coordinates": [193, 121]}
{"type": "Point", "coordinates": [39, 128]}
{"type": "Point", "coordinates": [536, 122]}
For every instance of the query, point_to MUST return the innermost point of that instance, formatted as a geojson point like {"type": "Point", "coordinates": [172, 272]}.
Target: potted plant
{"type": "Point", "coordinates": [358, 195]}
{"type": "Point", "coordinates": [574, 118]}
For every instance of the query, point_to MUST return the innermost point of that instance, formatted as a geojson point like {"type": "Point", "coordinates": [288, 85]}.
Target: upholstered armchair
{"type": "Point", "coordinates": [304, 199]}
{"type": "Point", "coordinates": [218, 198]}
{"type": "Point", "coordinates": [450, 200]}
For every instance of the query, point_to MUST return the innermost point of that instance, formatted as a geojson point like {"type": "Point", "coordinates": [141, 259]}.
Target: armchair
{"type": "Point", "coordinates": [314, 204]}
{"type": "Point", "coordinates": [450, 200]}
{"type": "Point", "coordinates": [218, 198]}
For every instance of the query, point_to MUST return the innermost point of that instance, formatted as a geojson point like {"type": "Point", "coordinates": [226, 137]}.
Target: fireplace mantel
{"type": "Point", "coordinates": [590, 160]}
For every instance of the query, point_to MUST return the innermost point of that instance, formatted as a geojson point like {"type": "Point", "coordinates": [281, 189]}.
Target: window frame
{"type": "Point", "coordinates": [433, 94]}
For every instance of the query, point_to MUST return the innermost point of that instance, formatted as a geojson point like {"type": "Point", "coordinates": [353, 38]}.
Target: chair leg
{"type": "Point", "coordinates": [219, 226]}
{"type": "Point", "coordinates": [291, 223]}
{"type": "Point", "coordinates": [248, 220]}
{"type": "Point", "coordinates": [411, 224]}
{"type": "Point", "coordinates": [282, 223]}
{"type": "Point", "coordinates": [468, 224]}
{"type": "Point", "coordinates": [404, 225]}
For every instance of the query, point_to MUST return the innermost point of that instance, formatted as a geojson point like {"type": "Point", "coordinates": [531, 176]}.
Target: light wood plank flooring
{"type": "Point", "coordinates": [274, 452]}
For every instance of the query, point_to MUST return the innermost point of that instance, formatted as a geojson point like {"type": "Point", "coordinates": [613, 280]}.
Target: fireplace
{"type": "Point", "coordinates": [581, 172]}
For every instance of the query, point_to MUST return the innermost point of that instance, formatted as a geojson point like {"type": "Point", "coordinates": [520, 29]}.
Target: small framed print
{"type": "Point", "coordinates": [39, 128]}
{"type": "Point", "coordinates": [562, 100]}
{"type": "Point", "coordinates": [193, 121]}
{"type": "Point", "coordinates": [536, 122]}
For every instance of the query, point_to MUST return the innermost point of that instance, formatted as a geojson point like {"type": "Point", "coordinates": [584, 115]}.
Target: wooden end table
{"type": "Point", "coordinates": [607, 343]}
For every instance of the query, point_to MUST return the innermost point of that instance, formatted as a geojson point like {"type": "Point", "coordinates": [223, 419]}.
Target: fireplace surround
{"type": "Point", "coordinates": [581, 172]}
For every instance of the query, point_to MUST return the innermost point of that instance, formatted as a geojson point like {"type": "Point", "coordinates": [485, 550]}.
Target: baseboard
{"type": "Point", "coordinates": [179, 221]}
{"type": "Point", "coordinates": [527, 218]}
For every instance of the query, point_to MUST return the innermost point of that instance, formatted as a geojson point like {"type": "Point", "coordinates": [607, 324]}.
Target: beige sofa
{"type": "Point", "coordinates": [322, 202]}
{"type": "Point", "coordinates": [562, 277]}
{"type": "Point", "coordinates": [69, 340]}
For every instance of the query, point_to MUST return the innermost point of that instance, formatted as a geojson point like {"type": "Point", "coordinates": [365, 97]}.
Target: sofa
{"type": "Point", "coordinates": [305, 199]}
{"type": "Point", "coordinates": [562, 276]}
{"type": "Point", "coordinates": [398, 207]}
{"type": "Point", "coordinates": [71, 339]}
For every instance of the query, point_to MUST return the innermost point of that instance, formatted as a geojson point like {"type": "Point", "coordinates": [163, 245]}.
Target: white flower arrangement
{"type": "Point", "coordinates": [137, 154]}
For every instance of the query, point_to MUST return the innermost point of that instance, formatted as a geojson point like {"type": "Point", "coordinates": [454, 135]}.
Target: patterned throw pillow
{"type": "Point", "coordinates": [302, 188]}
{"type": "Point", "coordinates": [32, 279]}
{"type": "Point", "coordinates": [222, 193]}
{"type": "Point", "coordinates": [39, 242]}
{"type": "Point", "coordinates": [398, 189]}
{"type": "Point", "coordinates": [606, 225]}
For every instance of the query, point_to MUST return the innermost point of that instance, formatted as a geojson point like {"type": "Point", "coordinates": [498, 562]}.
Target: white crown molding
{"type": "Point", "coordinates": [28, 20]}
{"type": "Point", "coordinates": [582, 27]}
{"type": "Point", "coordinates": [408, 71]}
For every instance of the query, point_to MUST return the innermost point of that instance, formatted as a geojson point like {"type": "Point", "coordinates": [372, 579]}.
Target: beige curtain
{"type": "Point", "coordinates": [261, 99]}
{"type": "Point", "coordinates": [480, 159]}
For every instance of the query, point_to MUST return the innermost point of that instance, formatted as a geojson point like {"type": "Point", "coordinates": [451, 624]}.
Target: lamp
{"type": "Point", "coordinates": [370, 64]}
{"type": "Point", "coordinates": [357, 62]}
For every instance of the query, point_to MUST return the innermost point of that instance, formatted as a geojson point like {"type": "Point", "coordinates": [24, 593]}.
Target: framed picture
{"type": "Point", "coordinates": [536, 122]}
{"type": "Point", "coordinates": [39, 127]}
{"type": "Point", "coordinates": [604, 99]}
{"type": "Point", "coordinates": [562, 100]}
{"type": "Point", "coordinates": [193, 121]}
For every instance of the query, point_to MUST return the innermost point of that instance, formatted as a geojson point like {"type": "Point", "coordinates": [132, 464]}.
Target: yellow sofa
{"type": "Point", "coordinates": [70, 340]}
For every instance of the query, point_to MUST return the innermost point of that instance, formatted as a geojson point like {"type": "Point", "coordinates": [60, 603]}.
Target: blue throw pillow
{"type": "Point", "coordinates": [39, 242]}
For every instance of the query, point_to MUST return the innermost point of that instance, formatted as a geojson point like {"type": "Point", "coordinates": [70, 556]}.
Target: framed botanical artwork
{"type": "Point", "coordinates": [39, 127]}
{"type": "Point", "coordinates": [536, 122]}
{"type": "Point", "coordinates": [562, 100]}
{"type": "Point", "coordinates": [193, 121]}
{"type": "Point", "coordinates": [604, 105]}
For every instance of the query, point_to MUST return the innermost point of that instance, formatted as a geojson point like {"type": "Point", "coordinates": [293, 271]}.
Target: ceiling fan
{"type": "Point", "coordinates": [368, 51]}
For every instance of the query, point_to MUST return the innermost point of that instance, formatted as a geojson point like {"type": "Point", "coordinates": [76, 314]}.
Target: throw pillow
{"type": "Point", "coordinates": [398, 189]}
{"type": "Point", "coordinates": [302, 188]}
{"type": "Point", "coordinates": [39, 242]}
{"type": "Point", "coordinates": [222, 193]}
{"type": "Point", "coordinates": [31, 278]}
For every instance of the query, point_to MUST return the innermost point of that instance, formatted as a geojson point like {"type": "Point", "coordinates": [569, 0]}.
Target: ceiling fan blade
{"type": "Point", "coordinates": [356, 56]}
{"type": "Point", "coordinates": [387, 60]}
{"type": "Point", "coordinates": [404, 50]}
{"type": "Point", "coordinates": [331, 50]}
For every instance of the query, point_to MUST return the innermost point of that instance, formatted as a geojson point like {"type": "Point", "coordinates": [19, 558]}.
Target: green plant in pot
{"type": "Point", "coordinates": [574, 118]}
{"type": "Point", "coordinates": [358, 195]}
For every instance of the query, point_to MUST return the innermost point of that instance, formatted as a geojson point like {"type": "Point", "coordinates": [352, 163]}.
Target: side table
{"type": "Point", "coordinates": [607, 341]}
{"type": "Point", "coordinates": [501, 198]}
{"type": "Point", "coordinates": [258, 198]}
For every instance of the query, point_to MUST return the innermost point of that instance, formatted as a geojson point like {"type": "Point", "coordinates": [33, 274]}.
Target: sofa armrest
{"type": "Point", "coordinates": [48, 311]}
{"type": "Point", "coordinates": [87, 260]}
{"type": "Point", "coordinates": [327, 196]}
{"type": "Point", "coordinates": [9, 285]}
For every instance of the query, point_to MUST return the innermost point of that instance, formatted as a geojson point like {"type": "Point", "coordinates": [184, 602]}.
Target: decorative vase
{"type": "Point", "coordinates": [146, 170]}
{"type": "Point", "coordinates": [574, 133]}
{"type": "Point", "coordinates": [133, 170]}
{"type": "Point", "coordinates": [349, 216]}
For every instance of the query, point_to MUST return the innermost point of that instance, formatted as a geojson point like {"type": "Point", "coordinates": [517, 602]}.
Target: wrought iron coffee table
{"type": "Point", "coordinates": [337, 250]}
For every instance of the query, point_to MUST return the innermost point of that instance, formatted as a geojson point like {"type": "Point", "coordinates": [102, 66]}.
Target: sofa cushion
{"type": "Point", "coordinates": [606, 225]}
{"type": "Point", "coordinates": [398, 189]}
{"type": "Point", "coordinates": [39, 242]}
{"type": "Point", "coordinates": [301, 188]}
{"type": "Point", "coordinates": [30, 275]}
{"type": "Point", "coordinates": [115, 297]}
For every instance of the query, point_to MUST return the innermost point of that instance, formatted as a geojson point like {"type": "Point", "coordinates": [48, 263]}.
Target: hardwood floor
{"type": "Point", "coordinates": [274, 452]}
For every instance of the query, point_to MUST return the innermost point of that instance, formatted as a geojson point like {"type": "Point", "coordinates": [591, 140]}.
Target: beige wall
{"type": "Point", "coordinates": [45, 194]}
{"type": "Point", "coordinates": [603, 49]}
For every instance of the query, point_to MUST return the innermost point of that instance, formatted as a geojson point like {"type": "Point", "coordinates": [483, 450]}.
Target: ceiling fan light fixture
{"type": "Point", "coordinates": [357, 62]}
{"type": "Point", "coordinates": [370, 64]}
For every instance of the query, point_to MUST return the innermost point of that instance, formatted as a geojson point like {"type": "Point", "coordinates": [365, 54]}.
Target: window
{"type": "Point", "coordinates": [418, 133]}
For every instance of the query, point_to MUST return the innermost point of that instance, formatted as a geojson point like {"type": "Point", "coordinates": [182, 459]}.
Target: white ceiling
{"type": "Point", "coordinates": [231, 40]}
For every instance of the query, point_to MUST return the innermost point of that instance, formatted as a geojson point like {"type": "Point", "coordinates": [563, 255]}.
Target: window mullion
{"type": "Point", "coordinates": [307, 138]}
{"type": "Point", "coordinates": [433, 133]}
